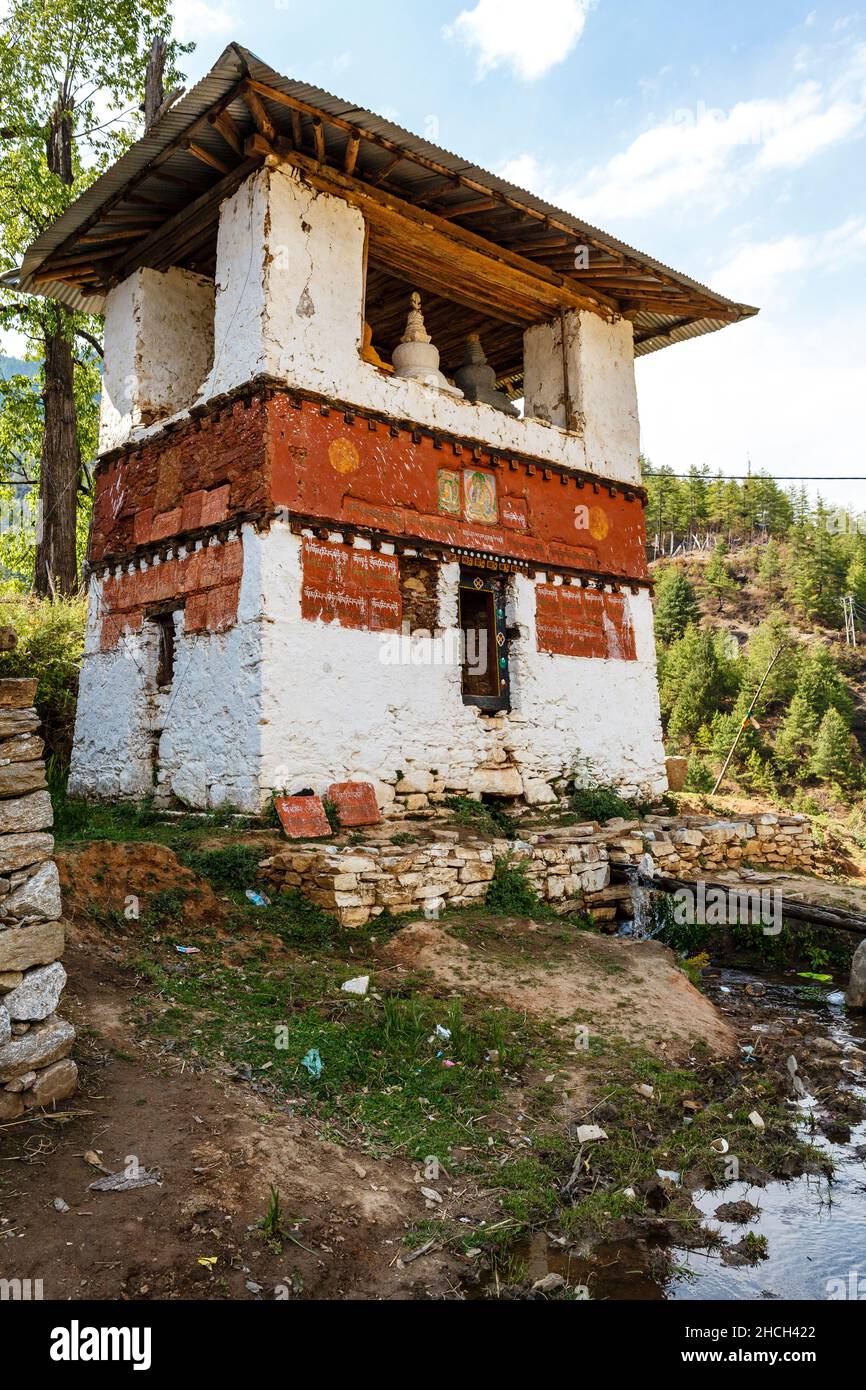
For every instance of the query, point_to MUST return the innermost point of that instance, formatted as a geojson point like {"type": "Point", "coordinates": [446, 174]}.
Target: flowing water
{"type": "Point", "coordinates": [815, 1227]}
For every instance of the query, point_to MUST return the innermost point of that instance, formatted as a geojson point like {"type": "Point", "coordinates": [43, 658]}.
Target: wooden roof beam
{"type": "Point", "coordinates": [251, 95]}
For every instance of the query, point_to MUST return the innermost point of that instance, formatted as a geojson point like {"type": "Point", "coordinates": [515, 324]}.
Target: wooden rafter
{"type": "Point", "coordinates": [261, 120]}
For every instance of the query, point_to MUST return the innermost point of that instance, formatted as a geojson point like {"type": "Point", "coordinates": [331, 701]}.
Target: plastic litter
{"type": "Point", "coordinates": [126, 1182]}
{"type": "Point", "coordinates": [590, 1134]}
{"type": "Point", "coordinates": [313, 1063]}
{"type": "Point", "coordinates": [358, 986]}
{"type": "Point", "coordinates": [257, 899]}
{"type": "Point", "coordinates": [188, 950]}
{"type": "Point", "coordinates": [720, 1146]}
{"type": "Point", "coordinates": [443, 1033]}
{"type": "Point", "coordinates": [757, 1120]}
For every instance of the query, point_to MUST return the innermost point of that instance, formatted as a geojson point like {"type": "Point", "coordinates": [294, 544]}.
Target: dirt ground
{"type": "Point", "coordinates": [220, 1145]}
{"type": "Point", "coordinates": [218, 1148]}
{"type": "Point", "coordinates": [634, 990]}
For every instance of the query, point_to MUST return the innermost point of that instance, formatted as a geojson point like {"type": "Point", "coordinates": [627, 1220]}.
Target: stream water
{"type": "Point", "coordinates": [815, 1227]}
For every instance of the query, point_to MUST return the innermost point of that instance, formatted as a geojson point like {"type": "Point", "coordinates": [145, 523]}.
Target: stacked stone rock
{"type": "Point", "coordinates": [35, 1069]}
{"type": "Point", "coordinates": [358, 884]}
{"type": "Point", "coordinates": [569, 866]}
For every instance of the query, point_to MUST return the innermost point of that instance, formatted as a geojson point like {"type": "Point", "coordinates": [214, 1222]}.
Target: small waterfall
{"type": "Point", "coordinates": [643, 926]}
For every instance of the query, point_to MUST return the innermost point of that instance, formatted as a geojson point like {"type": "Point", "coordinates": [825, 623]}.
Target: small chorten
{"type": "Point", "coordinates": [415, 355]}
{"type": "Point", "coordinates": [477, 379]}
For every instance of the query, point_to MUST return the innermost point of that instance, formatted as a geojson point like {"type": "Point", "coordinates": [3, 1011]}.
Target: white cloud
{"type": "Point", "coordinates": [194, 19]}
{"type": "Point", "coordinates": [714, 156]}
{"type": "Point", "coordinates": [529, 38]}
{"type": "Point", "coordinates": [759, 271]}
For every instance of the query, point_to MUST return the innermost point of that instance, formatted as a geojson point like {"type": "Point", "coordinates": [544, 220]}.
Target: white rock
{"type": "Point", "coordinates": [590, 1134]}
{"type": "Point", "coordinates": [37, 897]}
{"type": "Point", "coordinates": [757, 1120]}
{"type": "Point", "coordinates": [38, 994]}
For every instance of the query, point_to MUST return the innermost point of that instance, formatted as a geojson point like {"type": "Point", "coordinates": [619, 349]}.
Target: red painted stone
{"type": "Point", "coordinates": [355, 588]}
{"type": "Point", "coordinates": [393, 484]}
{"type": "Point", "coordinates": [355, 802]}
{"type": "Point", "coordinates": [302, 817]}
{"type": "Point", "coordinates": [583, 622]}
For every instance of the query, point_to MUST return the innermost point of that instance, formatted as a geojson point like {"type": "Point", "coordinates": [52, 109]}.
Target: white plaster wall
{"type": "Point", "coordinates": [602, 390]}
{"type": "Point", "coordinates": [158, 349]}
{"type": "Point", "coordinates": [282, 703]}
{"type": "Point", "coordinates": [111, 755]}
{"type": "Point", "coordinates": [333, 710]}
{"type": "Point", "coordinates": [604, 711]}
{"type": "Point", "coordinates": [289, 303]}
{"type": "Point", "coordinates": [117, 416]}
{"type": "Point", "coordinates": [210, 748]}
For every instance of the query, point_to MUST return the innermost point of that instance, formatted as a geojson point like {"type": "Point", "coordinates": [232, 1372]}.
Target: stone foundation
{"type": "Point", "coordinates": [35, 1069]}
{"type": "Point", "coordinates": [570, 867]}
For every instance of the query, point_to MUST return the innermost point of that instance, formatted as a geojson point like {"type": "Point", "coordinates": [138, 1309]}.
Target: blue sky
{"type": "Point", "coordinates": [727, 140]}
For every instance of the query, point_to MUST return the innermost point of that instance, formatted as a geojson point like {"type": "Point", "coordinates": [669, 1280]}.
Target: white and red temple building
{"type": "Point", "coordinates": [327, 545]}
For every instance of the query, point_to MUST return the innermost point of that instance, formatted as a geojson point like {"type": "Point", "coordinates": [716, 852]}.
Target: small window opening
{"type": "Point", "coordinates": [165, 650]}
{"type": "Point", "coordinates": [485, 641]}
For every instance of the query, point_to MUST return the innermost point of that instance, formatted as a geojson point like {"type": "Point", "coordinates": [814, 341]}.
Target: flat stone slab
{"type": "Point", "coordinates": [17, 693]}
{"type": "Point", "coordinates": [20, 851]}
{"type": "Point", "coordinates": [38, 896]}
{"type": "Point", "coordinates": [38, 1047]}
{"type": "Point", "coordinates": [17, 778]}
{"type": "Point", "coordinates": [38, 994]}
{"type": "Point", "coordinates": [57, 1082]}
{"type": "Point", "coordinates": [33, 812]}
{"type": "Point", "coordinates": [303, 817]}
{"type": "Point", "coordinates": [39, 943]}
{"type": "Point", "coordinates": [355, 802]}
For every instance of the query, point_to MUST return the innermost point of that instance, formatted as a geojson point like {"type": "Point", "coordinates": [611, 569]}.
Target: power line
{"type": "Point", "coordinates": [749, 478]}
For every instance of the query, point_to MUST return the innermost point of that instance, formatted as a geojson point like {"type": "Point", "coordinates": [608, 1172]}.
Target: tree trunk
{"type": "Point", "coordinates": [60, 470]}
{"type": "Point", "coordinates": [154, 92]}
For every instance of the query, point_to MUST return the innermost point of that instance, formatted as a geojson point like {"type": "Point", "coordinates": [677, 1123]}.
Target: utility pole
{"type": "Point", "coordinates": [850, 629]}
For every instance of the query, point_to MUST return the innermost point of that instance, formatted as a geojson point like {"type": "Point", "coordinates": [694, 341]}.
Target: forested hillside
{"type": "Point", "coordinates": [745, 571]}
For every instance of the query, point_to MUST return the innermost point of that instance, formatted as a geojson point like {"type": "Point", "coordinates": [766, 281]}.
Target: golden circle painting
{"type": "Point", "coordinates": [599, 524]}
{"type": "Point", "coordinates": [344, 456]}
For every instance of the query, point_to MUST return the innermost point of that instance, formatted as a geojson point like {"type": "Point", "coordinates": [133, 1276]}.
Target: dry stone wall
{"type": "Point", "coordinates": [35, 1068]}
{"type": "Point", "coordinates": [570, 867]}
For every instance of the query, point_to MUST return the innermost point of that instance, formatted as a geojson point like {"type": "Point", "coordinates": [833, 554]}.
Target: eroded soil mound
{"type": "Point", "coordinates": [634, 990]}
{"type": "Point", "coordinates": [100, 879]}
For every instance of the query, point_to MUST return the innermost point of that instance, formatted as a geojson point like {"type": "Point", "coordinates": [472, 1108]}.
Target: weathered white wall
{"type": "Point", "coordinates": [281, 703]}
{"type": "Point", "coordinates": [602, 393]}
{"type": "Point", "coordinates": [158, 349]}
{"type": "Point", "coordinates": [289, 303]}
{"type": "Point", "coordinates": [209, 751]}
{"type": "Point", "coordinates": [333, 710]}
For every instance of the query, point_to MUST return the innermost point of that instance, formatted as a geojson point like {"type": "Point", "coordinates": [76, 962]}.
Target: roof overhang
{"type": "Point", "coordinates": [159, 206]}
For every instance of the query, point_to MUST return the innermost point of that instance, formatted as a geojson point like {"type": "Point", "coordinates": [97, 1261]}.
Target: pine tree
{"type": "Point", "coordinates": [833, 758]}
{"type": "Point", "coordinates": [690, 686]}
{"type": "Point", "coordinates": [719, 579]}
{"type": "Point", "coordinates": [676, 605]}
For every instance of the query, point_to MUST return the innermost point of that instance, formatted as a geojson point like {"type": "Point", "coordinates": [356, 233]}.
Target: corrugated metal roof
{"type": "Point", "coordinates": [236, 63]}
